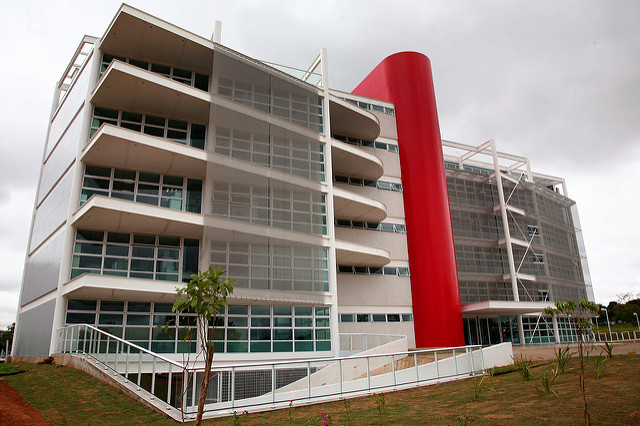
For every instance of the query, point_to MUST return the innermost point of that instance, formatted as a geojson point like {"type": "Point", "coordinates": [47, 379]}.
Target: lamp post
{"type": "Point", "coordinates": [608, 324]}
{"type": "Point", "coordinates": [637, 320]}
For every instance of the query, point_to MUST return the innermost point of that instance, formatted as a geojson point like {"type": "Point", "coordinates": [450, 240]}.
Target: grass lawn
{"type": "Point", "coordinates": [63, 395]}
{"type": "Point", "coordinates": [618, 327]}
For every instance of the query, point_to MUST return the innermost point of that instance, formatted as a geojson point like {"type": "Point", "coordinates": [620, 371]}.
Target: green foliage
{"type": "Point", "coordinates": [464, 420]}
{"type": "Point", "coordinates": [380, 404]}
{"type": "Point", "coordinates": [524, 367]}
{"type": "Point", "coordinates": [580, 314]}
{"type": "Point", "coordinates": [6, 335]}
{"type": "Point", "coordinates": [347, 407]}
{"type": "Point", "coordinates": [562, 358]}
{"type": "Point", "coordinates": [291, 412]}
{"type": "Point", "coordinates": [599, 365]}
{"type": "Point", "coordinates": [479, 386]}
{"type": "Point", "coordinates": [324, 420]}
{"type": "Point", "coordinates": [497, 371]}
{"type": "Point", "coordinates": [549, 380]}
{"type": "Point", "coordinates": [489, 373]}
{"type": "Point", "coordinates": [608, 349]}
{"type": "Point", "coordinates": [8, 370]}
{"type": "Point", "coordinates": [624, 309]}
{"type": "Point", "coordinates": [69, 396]}
{"type": "Point", "coordinates": [205, 294]}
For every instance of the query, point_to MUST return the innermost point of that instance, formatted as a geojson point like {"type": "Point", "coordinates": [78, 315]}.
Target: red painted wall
{"type": "Point", "coordinates": [405, 79]}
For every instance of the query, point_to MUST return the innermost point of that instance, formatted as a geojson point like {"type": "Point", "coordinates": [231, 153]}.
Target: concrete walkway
{"type": "Point", "coordinates": [546, 352]}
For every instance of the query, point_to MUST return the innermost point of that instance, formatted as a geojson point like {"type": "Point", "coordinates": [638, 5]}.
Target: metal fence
{"type": "Point", "coordinates": [259, 386]}
{"type": "Point", "coordinates": [356, 342]}
{"type": "Point", "coordinates": [616, 336]}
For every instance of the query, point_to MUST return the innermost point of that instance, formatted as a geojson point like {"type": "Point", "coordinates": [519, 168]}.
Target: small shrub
{"type": "Point", "coordinates": [347, 407]}
{"type": "Point", "coordinates": [324, 420]}
{"type": "Point", "coordinates": [549, 380]}
{"type": "Point", "coordinates": [490, 372]}
{"type": "Point", "coordinates": [291, 412]}
{"type": "Point", "coordinates": [608, 349]}
{"type": "Point", "coordinates": [524, 366]}
{"type": "Point", "coordinates": [380, 403]}
{"type": "Point", "coordinates": [236, 417]}
{"type": "Point", "coordinates": [599, 365]}
{"type": "Point", "coordinates": [562, 358]}
{"type": "Point", "coordinates": [464, 420]}
{"type": "Point", "coordinates": [479, 386]}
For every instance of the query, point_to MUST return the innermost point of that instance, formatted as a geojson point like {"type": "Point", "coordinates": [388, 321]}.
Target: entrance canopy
{"type": "Point", "coordinates": [505, 307]}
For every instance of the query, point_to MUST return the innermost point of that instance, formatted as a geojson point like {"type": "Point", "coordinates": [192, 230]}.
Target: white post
{"type": "Point", "coordinates": [635, 314]}
{"type": "Point", "coordinates": [556, 330]}
{"type": "Point", "coordinates": [169, 387]}
{"type": "Point", "coordinates": [608, 323]}
{"type": "Point", "coordinates": [217, 33]}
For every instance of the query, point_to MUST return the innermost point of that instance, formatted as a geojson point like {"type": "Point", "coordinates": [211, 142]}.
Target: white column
{"type": "Point", "coordinates": [326, 138]}
{"type": "Point", "coordinates": [217, 33]}
{"type": "Point", "coordinates": [556, 330]}
{"type": "Point", "coordinates": [74, 200]}
{"type": "Point", "coordinates": [505, 222]}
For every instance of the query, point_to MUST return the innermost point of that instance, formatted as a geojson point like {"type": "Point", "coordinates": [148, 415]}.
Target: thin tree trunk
{"type": "Point", "coordinates": [204, 386]}
{"type": "Point", "coordinates": [587, 418]}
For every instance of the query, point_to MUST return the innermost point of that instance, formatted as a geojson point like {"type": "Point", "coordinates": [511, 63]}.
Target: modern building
{"type": "Point", "coordinates": [337, 213]}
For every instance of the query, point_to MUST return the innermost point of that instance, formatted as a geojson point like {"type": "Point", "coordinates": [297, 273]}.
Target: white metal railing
{"type": "Point", "coordinates": [350, 342]}
{"type": "Point", "coordinates": [616, 336]}
{"type": "Point", "coordinates": [259, 385]}
{"type": "Point", "coordinates": [151, 374]}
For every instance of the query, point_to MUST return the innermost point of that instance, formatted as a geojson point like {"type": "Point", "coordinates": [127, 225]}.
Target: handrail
{"type": "Point", "coordinates": [256, 385]}
{"type": "Point", "coordinates": [133, 345]}
{"type": "Point", "coordinates": [343, 358]}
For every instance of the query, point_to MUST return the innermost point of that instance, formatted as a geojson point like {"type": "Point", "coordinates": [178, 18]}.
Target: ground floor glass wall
{"type": "Point", "coordinates": [491, 331]}
{"type": "Point", "coordinates": [239, 328]}
{"type": "Point", "coordinates": [537, 329]}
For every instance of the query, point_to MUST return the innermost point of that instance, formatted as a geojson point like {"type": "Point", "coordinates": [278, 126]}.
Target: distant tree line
{"type": "Point", "coordinates": [6, 335]}
{"type": "Point", "coordinates": [621, 310]}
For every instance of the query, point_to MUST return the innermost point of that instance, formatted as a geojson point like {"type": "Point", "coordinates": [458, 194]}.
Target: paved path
{"type": "Point", "coordinates": [546, 352]}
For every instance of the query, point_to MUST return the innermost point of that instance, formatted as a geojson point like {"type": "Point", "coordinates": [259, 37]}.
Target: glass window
{"type": "Point", "coordinates": [390, 271]}
{"type": "Point", "coordinates": [81, 305]}
{"type": "Point", "coordinates": [110, 305]}
{"type": "Point", "coordinates": [282, 310]}
{"type": "Point", "coordinates": [110, 319]}
{"type": "Point", "coordinates": [81, 318]}
{"type": "Point", "coordinates": [347, 318]}
{"type": "Point", "coordinates": [303, 310]}
{"type": "Point", "coordinates": [363, 318]}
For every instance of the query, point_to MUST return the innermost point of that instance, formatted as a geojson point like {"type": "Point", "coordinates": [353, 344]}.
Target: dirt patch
{"type": "Point", "coordinates": [14, 410]}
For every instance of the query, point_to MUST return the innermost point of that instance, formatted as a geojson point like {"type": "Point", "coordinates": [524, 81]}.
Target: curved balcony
{"type": "Point", "coordinates": [350, 120]}
{"type": "Point", "coordinates": [133, 31]}
{"type": "Point", "coordinates": [348, 160]}
{"type": "Point", "coordinates": [348, 253]}
{"type": "Point", "coordinates": [130, 88]}
{"type": "Point", "coordinates": [93, 286]}
{"type": "Point", "coordinates": [126, 149]}
{"type": "Point", "coordinates": [351, 206]}
{"type": "Point", "coordinates": [117, 215]}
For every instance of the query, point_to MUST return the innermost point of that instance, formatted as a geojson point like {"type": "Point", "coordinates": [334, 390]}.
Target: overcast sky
{"type": "Point", "coordinates": [555, 81]}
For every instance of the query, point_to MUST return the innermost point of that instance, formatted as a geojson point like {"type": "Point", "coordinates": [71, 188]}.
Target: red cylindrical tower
{"type": "Point", "coordinates": [405, 79]}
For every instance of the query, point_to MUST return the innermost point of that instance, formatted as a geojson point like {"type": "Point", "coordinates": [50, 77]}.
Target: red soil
{"type": "Point", "coordinates": [14, 410]}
